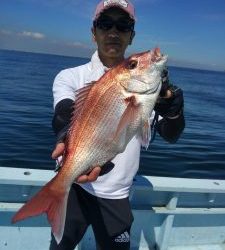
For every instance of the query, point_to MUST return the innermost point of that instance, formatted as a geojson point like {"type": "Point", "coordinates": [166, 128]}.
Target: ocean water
{"type": "Point", "coordinates": [26, 112]}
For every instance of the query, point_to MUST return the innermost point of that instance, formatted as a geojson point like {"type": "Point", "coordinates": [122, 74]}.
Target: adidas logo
{"type": "Point", "coordinates": [124, 237]}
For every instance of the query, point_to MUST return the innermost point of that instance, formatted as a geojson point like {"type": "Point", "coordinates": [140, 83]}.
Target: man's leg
{"type": "Point", "coordinates": [111, 224]}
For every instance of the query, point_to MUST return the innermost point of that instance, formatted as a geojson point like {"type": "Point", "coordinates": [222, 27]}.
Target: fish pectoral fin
{"type": "Point", "coordinates": [129, 115]}
{"type": "Point", "coordinates": [48, 200]}
{"type": "Point", "coordinates": [145, 134]}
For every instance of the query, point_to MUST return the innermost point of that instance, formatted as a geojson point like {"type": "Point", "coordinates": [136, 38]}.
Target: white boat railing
{"type": "Point", "coordinates": [169, 213]}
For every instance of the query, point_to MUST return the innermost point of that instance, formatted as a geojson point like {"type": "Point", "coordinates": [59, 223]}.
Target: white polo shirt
{"type": "Point", "coordinates": [116, 183]}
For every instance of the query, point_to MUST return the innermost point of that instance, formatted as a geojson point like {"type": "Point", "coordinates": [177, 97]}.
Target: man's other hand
{"type": "Point", "coordinates": [91, 176]}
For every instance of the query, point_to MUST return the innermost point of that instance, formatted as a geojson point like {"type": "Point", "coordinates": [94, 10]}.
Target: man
{"type": "Point", "coordinates": [100, 198]}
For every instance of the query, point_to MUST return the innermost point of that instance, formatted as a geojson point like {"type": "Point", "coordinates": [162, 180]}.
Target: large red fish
{"type": "Point", "coordinates": [108, 113]}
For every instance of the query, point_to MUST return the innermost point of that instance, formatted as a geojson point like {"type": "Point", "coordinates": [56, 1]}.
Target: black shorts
{"type": "Point", "coordinates": [111, 221]}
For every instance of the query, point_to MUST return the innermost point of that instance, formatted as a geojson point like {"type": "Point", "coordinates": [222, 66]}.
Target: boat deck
{"type": "Point", "coordinates": [169, 213]}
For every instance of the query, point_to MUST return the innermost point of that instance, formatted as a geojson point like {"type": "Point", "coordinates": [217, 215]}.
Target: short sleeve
{"type": "Point", "coordinates": [64, 86]}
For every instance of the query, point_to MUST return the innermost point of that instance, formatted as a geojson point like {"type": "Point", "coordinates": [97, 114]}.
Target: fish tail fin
{"type": "Point", "coordinates": [50, 200]}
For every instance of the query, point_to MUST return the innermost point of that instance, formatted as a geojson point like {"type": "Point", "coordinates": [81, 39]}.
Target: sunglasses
{"type": "Point", "coordinates": [108, 23]}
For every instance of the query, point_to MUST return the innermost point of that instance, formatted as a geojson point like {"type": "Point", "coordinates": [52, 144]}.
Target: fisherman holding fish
{"type": "Point", "coordinates": [103, 115]}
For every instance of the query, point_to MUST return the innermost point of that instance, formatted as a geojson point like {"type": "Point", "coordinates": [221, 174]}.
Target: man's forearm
{"type": "Point", "coordinates": [62, 118]}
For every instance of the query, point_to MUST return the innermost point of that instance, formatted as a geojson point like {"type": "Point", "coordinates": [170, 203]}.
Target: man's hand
{"type": "Point", "coordinates": [58, 151]}
{"type": "Point", "coordinates": [168, 94]}
{"type": "Point", "coordinates": [170, 101]}
{"type": "Point", "coordinates": [91, 176]}
{"type": "Point", "coordinates": [171, 104]}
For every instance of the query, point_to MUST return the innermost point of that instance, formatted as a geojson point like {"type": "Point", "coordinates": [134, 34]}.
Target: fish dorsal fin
{"type": "Point", "coordinates": [130, 114]}
{"type": "Point", "coordinates": [81, 95]}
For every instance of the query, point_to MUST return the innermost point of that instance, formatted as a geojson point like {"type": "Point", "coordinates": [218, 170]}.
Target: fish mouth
{"type": "Point", "coordinates": [144, 92]}
{"type": "Point", "coordinates": [153, 90]}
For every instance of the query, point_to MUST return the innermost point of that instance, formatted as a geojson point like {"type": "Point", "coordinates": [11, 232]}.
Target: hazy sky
{"type": "Point", "coordinates": [191, 32]}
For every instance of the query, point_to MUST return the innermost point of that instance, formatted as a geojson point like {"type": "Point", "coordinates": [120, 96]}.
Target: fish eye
{"type": "Point", "coordinates": [132, 64]}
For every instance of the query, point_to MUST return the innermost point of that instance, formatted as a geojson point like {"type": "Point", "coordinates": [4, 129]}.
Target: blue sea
{"type": "Point", "coordinates": [26, 112]}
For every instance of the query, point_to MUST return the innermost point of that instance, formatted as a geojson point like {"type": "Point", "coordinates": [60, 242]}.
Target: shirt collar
{"type": "Point", "coordinates": [96, 67]}
{"type": "Point", "coordinates": [96, 63]}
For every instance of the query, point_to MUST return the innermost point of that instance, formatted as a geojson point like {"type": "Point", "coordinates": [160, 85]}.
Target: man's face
{"type": "Point", "coordinates": [112, 42]}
